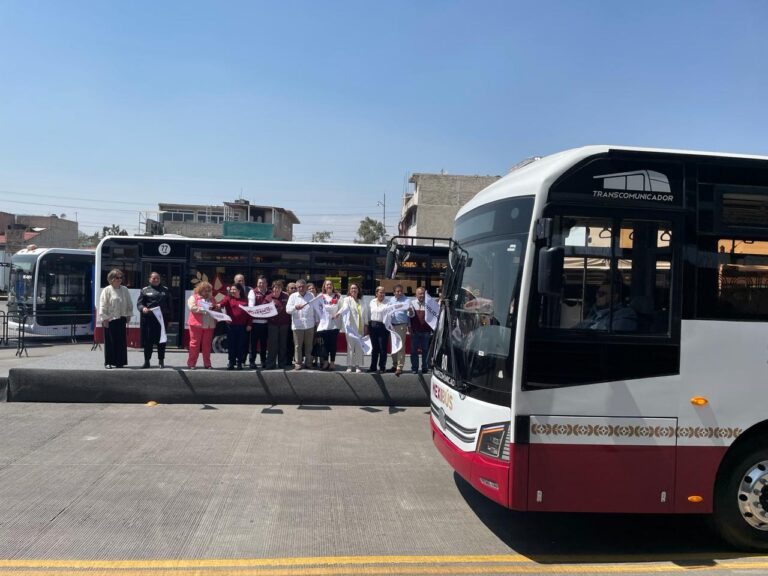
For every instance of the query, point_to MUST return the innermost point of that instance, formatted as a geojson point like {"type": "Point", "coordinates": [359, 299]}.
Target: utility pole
{"type": "Point", "coordinates": [383, 212]}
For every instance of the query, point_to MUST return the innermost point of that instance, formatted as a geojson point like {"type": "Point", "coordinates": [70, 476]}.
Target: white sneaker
{"type": "Point", "coordinates": [358, 370]}
{"type": "Point", "coordinates": [349, 370]}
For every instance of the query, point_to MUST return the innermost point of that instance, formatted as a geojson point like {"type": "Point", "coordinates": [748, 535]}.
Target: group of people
{"type": "Point", "coordinates": [115, 311]}
{"type": "Point", "coordinates": [299, 329]}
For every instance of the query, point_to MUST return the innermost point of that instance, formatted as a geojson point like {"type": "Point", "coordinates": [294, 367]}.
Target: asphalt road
{"type": "Point", "coordinates": [285, 490]}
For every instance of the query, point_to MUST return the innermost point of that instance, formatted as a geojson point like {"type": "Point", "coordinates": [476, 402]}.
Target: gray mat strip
{"type": "Point", "coordinates": [217, 387]}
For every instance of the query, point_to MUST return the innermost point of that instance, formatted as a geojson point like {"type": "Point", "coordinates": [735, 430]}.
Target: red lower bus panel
{"type": "Point", "coordinates": [696, 473]}
{"type": "Point", "coordinates": [601, 478]}
{"type": "Point", "coordinates": [487, 475]}
{"type": "Point", "coordinates": [518, 476]}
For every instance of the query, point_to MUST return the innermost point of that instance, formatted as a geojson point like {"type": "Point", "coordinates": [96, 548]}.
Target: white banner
{"type": "Point", "coordinates": [353, 334]}
{"type": "Point", "coordinates": [396, 341]}
{"type": "Point", "coordinates": [317, 305]}
{"type": "Point", "coordinates": [159, 315]}
{"type": "Point", "coordinates": [219, 316]}
{"type": "Point", "coordinates": [261, 311]}
{"type": "Point", "coordinates": [365, 344]}
{"type": "Point", "coordinates": [395, 306]}
{"type": "Point", "coordinates": [432, 312]}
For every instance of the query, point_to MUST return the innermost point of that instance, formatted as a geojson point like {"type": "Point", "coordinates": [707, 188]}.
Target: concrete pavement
{"type": "Point", "coordinates": [287, 490]}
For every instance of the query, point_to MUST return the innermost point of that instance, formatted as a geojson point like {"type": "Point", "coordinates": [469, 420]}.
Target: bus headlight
{"type": "Point", "coordinates": [492, 441]}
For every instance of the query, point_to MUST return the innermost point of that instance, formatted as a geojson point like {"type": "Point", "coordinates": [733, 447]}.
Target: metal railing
{"type": "Point", "coordinates": [25, 329]}
{"type": "Point", "coordinates": [3, 328]}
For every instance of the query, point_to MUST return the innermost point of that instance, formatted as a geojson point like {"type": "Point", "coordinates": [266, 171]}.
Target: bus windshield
{"type": "Point", "coordinates": [475, 337]}
{"type": "Point", "coordinates": [21, 288]}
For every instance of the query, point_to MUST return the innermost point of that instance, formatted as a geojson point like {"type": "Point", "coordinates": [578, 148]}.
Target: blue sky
{"type": "Point", "coordinates": [107, 108]}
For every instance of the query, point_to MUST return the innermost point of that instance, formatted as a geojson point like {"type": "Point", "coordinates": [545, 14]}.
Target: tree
{"type": "Point", "coordinates": [371, 232]}
{"type": "Point", "coordinates": [89, 241]}
{"type": "Point", "coordinates": [113, 230]}
{"type": "Point", "coordinates": [86, 241]}
{"type": "Point", "coordinates": [324, 236]}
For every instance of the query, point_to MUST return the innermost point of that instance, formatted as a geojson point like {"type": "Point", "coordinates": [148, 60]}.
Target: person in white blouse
{"type": "Point", "coordinates": [330, 335]}
{"type": "Point", "coordinates": [115, 309]}
{"type": "Point", "coordinates": [378, 331]}
{"type": "Point", "coordinates": [302, 324]}
{"type": "Point", "coordinates": [358, 319]}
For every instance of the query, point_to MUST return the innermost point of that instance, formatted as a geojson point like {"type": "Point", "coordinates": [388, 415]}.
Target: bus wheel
{"type": "Point", "coordinates": [219, 344]}
{"type": "Point", "coordinates": [741, 501]}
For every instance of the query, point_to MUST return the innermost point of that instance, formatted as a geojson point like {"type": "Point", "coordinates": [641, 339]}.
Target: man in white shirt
{"type": "Point", "coordinates": [400, 325]}
{"type": "Point", "coordinates": [302, 324]}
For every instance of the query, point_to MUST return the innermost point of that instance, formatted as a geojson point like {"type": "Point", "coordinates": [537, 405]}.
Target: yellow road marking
{"type": "Point", "coordinates": [358, 560]}
{"type": "Point", "coordinates": [391, 565]}
{"type": "Point", "coordinates": [455, 569]}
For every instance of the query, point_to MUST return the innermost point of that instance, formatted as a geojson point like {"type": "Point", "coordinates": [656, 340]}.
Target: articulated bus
{"type": "Point", "coordinates": [52, 290]}
{"type": "Point", "coordinates": [183, 262]}
{"type": "Point", "coordinates": [603, 338]}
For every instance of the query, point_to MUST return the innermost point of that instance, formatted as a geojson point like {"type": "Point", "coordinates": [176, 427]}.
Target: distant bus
{"type": "Point", "coordinates": [184, 262]}
{"type": "Point", "coordinates": [51, 290]}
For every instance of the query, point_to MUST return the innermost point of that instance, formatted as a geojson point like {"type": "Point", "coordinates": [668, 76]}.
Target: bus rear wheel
{"type": "Point", "coordinates": [741, 501]}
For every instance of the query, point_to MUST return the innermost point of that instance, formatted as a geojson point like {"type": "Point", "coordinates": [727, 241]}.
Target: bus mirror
{"type": "Point", "coordinates": [551, 270]}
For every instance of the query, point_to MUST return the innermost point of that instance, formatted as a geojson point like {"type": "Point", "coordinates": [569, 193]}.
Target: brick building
{"type": "Point", "coordinates": [430, 209]}
{"type": "Point", "coordinates": [19, 230]}
{"type": "Point", "coordinates": [239, 219]}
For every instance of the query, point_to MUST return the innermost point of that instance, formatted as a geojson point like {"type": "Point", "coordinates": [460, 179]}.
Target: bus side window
{"type": "Point", "coordinates": [732, 279]}
{"type": "Point", "coordinates": [616, 277]}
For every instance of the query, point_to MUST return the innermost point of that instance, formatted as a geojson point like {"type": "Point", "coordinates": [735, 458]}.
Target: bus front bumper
{"type": "Point", "coordinates": [494, 478]}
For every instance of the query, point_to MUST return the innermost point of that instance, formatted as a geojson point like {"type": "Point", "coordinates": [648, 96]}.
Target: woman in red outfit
{"type": "Point", "coordinates": [237, 330]}
{"type": "Point", "coordinates": [201, 324]}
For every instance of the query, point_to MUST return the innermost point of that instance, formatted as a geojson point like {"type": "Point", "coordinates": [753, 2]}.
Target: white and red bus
{"type": "Point", "coordinates": [183, 262]}
{"type": "Point", "coordinates": [603, 338]}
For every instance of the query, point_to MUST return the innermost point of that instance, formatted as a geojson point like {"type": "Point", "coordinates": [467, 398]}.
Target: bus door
{"type": "Point", "coordinates": [602, 414]}
{"type": "Point", "coordinates": [171, 277]}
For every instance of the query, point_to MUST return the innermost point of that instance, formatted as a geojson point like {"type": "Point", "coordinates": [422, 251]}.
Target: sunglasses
{"type": "Point", "coordinates": [118, 277]}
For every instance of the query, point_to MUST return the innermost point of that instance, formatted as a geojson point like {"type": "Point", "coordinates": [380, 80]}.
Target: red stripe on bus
{"type": "Point", "coordinates": [487, 475]}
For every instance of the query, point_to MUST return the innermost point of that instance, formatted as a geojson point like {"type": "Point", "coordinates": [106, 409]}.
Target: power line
{"type": "Point", "coordinates": [15, 193]}
{"type": "Point", "coordinates": [69, 206]}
